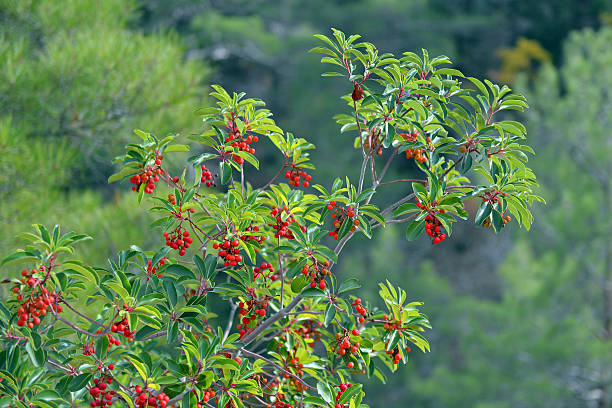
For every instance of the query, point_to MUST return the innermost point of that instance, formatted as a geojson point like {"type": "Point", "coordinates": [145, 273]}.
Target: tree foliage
{"type": "Point", "coordinates": [294, 335]}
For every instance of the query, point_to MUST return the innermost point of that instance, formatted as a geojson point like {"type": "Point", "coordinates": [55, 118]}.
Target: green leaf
{"type": "Point", "coordinates": [466, 164]}
{"type": "Point", "coordinates": [18, 257]}
{"type": "Point", "coordinates": [415, 229]}
{"type": "Point", "coordinates": [140, 367]}
{"type": "Point", "coordinates": [349, 393]}
{"type": "Point", "coordinates": [250, 158]}
{"type": "Point", "coordinates": [296, 268]}
{"type": "Point", "coordinates": [498, 221]}
{"type": "Point", "coordinates": [172, 334]}
{"type": "Point", "coordinates": [126, 398]}
{"type": "Point", "coordinates": [85, 271]}
{"type": "Point", "coordinates": [449, 71]}
{"type": "Point", "coordinates": [312, 292]}
{"type": "Point", "coordinates": [147, 310]}
{"type": "Point", "coordinates": [171, 291]}
{"type": "Point", "coordinates": [483, 212]}
{"type": "Point", "coordinates": [47, 395]}
{"type": "Point", "coordinates": [180, 270]}
{"type": "Point", "coordinates": [176, 148]}
{"type": "Point", "coordinates": [298, 284]}
{"type": "Point", "coordinates": [325, 392]}
{"type": "Point", "coordinates": [101, 347]}
{"type": "Point", "coordinates": [330, 313]}
{"type": "Point", "coordinates": [349, 284]}
{"type": "Point", "coordinates": [406, 208]}
{"type": "Point", "coordinates": [328, 253]}
{"type": "Point", "coordinates": [120, 290]}
{"type": "Point", "coordinates": [480, 86]}
{"type": "Point", "coordinates": [315, 400]}
{"type": "Point", "coordinates": [393, 340]}
{"type": "Point", "coordinates": [79, 382]}
{"type": "Point", "coordinates": [38, 357]}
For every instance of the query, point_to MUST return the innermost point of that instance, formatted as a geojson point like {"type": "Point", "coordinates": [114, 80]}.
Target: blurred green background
{"type": "Point", "coordinates": [520, 319]}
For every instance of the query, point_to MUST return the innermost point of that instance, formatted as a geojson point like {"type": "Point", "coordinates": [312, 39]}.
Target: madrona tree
{"type": "Point", "coordinates": [152, 330]}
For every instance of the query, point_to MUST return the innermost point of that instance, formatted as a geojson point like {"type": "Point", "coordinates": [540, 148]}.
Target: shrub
{"type": "Point", "coordinates": [153, 330]}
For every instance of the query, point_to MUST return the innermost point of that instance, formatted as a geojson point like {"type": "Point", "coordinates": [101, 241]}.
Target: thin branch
{"type": "Point", "coordinates": [397, 203]}
{"type": "Point", "coordinates": [271, 320]}
{"type": "Point", "coordinates": [242, 179]}
{"type": "Point", "coordinates": [81, 314]}
{"type": "Point", "coordinates": [278, 367]}
{"type": "Point", "coordinates": [452, 167]}
{"type": "Point", "coordinates": [276, 175]}
{"type": "Point", "coordinates": [404, 181]}
{"type": "Point", "coordinates": [230, 321]}
{"type": "Point", "coordinates": [156, 334]}
{"type": "Point", "coordinates": [282, 276]}
{"type": "Point", "coordinates": [384, 171]}
{"type": "Point", "coordinates": [395, 221]}
{"type": "Point", "coordinates": [364, 164]}
{"type": "Point", "coordinates": [179, 397]}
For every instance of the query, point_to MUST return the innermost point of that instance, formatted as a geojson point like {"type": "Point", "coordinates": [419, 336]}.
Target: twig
{"type": "Point", "coordinates": [395, 221]}
{"type": "Point", "coordinates": [278, 367]}
{"type": "Point", "coordinates": [397, 203]}
{"type": "Point", "coordinates": [384, 171]}
{"type": "Point", "coordinates": [282, 276]}
{"type": "Point", "coordinates": [230, 321]}
{"type": "Point", "coordinates": [271, 320]}
{"type": "Point", "coordinates": [276, 175]}
{"type": "Point", "coordinates": [403, 181]}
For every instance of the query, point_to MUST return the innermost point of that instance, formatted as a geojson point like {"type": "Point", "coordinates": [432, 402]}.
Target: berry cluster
{"type": "Point", "coordinates": [292, 364]}
{"type": "Point", "coordinates": [179, 239]}
{"type": "Point", "coordinates": [147, 399]}
{"type": "Point", "coordinates": [433, 226]}
{"type": "Point", "coordinates": [316, 273]}
{"type": "Point", "coordinates": [344, 344]}
{"type": "Point", "coordinates": [152, 269]}
{"type": "Point", "coordinates": [295, 175]}
{"type": "Point", "coordinates": [88, 349]}
{"type": "Point", "coordinates": [120, 327]}
{"type": "Point", "coordinates": [396, 356]}
{"type": "Point", "coordinates": [208, 395]}
{"type": "Point", "coordinates": [279, 403]}
{"type": "Point", "coordinates": [360, 309]}
{"type": "Point", "coordinates": [417, 154]}
{"type": "Point", "coordinates": [229, 251]}
{"type": "Point", "coordinates": [30, 311]}
{"type": "Point", "coordinates": [342, 388]}
{"type": "Point", "coordinates": [250, 312]}
{"type": "Point", "coordinates": [258, 238]}
{"type": "Point", "coordinates": [309, 329]}
{"type": "Point", "coordinates": [281, 226]}
{"type": "Point", "coordinates": [100, 392]}
{"type": "Point", "coordinates": [339, 214]}
{"type": "Point", "coordinates": [242, 142]}
{"type": "Point", "coordinates": [259, 270]}
{"type": "Point", "coordinates": [149, 177]}
{"type": "Point", "coordinates": [391, 326]}
{"type": "Point", "coordinates": [487, 222]}
{"type": "Point", "coordinates": [207, 177]}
